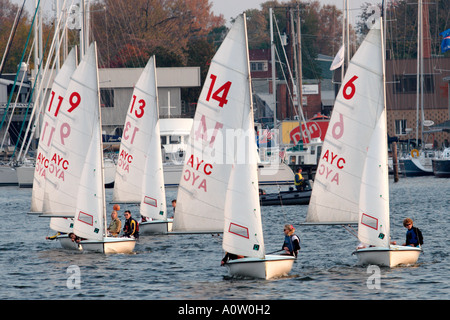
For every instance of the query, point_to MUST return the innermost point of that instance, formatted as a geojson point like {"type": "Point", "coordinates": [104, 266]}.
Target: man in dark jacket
{"type": "Point", "coordinates": [131, 228]}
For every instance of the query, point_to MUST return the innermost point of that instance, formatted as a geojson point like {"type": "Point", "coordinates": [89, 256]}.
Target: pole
{"type": "Point", "coordinates": [274, 85]}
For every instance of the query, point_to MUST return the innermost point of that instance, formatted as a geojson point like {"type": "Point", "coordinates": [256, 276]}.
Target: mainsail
{"type": "Point", "coordinates": [153, 194]}
{"type": "Point", "coordinates": [204, 180]}
{"type": "Point", "coordinates": [43, 158]}
{"type": "Point", "coordinates": [138, 130]}
{"type": "Point", "coordinates": [90, 215]}
{"type": "Point", "coordinates": [70, 135]}
{"type": "Point", "coordinates": [356, 113]}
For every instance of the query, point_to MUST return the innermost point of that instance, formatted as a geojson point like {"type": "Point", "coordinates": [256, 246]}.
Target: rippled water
{"type": "Point", "coordinates": [180, 267]}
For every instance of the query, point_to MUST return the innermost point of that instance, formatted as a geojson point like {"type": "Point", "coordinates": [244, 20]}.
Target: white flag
{"type": "Point", "coordinates": [338, 59]}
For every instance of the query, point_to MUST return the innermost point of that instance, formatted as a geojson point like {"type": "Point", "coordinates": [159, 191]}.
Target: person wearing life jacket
{"type": "Point", "coordinates": [131, 228]}
{"type": "Point", "coordinates": [299, 181]}
{"type": "Point", "coordinates": [414, 237]}
{"type": "Point", "coordinates": [291, 244]}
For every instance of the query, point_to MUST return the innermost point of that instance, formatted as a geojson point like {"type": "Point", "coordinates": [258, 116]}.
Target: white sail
{"type": "Point", "coordinates": [243, 234]}
{"type": "Point", "coordinates": [153, 193]}
{"type": "Point", "coordinates": [49, 121]}
{"type": "Point", "coordinates": [357, 110]}
{"type": "Point", "coordinates": [89, 218]}
{"type": "Point", "coordinates": [70, 139]}
{"type": "Point", "coordinates": [90, 215]}
{"type": "Point", "coordinates": [204, 180]}
{"type": "Point", "coordinates": [373, 226]}
{"type": "Point", "coordinates": [138, 130]}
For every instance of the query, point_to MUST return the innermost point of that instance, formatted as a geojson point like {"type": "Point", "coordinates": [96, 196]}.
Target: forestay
{"type": "Point", "coordinates": [358, 108]}
{"type": "Point", "coordinates": [139, 129]}
{"type": "Point", "coordinates": [204, 180]}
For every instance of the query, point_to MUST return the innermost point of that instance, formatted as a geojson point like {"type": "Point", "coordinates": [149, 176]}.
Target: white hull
{"type": "Point", "coordinates": [25, 176]}
{"type": "Point", "coordinates": [8, 176]}
{"type": "Point", "coordinates": [388, 257]}
{"type": "Point", "coordinates": [271, 267]}
{"type": "Point", "coordinates": [67, 243]}
{"type": "Point", "coordinates": [155, 227]}
{"type": "Point", "coordinates": [268, 174]}
{"type": "Point", "coordinates": [109, 245]}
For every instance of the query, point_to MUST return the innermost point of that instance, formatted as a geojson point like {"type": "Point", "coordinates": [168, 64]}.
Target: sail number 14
{"type": "Point", "coordinates": [220, 94]}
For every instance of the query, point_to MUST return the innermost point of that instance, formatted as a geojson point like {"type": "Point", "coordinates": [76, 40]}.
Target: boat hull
{"type": "Point", "coordinates": [285, 198]}
{"type": "Point", "coordinates": [388, 257]}
{"type": "Point", "coordinates": [268, 174]}
{"type": "Point", "coordinates": [155, 227]}
{"type": "Point", "coordinates": [25, 176]}
{"type": "Point", "coordinates": [441, 168]}
{"type": "Point", "coordinates": [272, 266]}
{"type": "Point", "coordinates": [67, 243]}
{"type": "Point", "coordinates": [8, 176]}
{"type": "Point", "coordinates": [109, 245]}
{"type": "Point", "coordinates": [413, 168]}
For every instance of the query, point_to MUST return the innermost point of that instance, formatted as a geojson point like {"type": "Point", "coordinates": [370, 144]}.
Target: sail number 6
{"type": "Point", "coordinates": [349, 85]}
{"type": "Point", "coordinates": [220, 94]}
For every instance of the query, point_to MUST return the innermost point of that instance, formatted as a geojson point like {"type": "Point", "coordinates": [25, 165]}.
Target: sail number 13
{"type": "Point", "coordinates": [220, 94]}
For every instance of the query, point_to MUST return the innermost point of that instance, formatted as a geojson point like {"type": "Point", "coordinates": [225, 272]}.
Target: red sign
{"type": "Point", "coordinates": [317, 129]}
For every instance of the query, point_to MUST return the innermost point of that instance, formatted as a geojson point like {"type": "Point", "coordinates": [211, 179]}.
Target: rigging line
{"type": "Point", "coordinates": [15, 105]}
{"type": "Point", "coordinates": [40, 90]}
{"type": "Point", "coordinates": [120, 37]}
{"type": "Point", "coordinates": [11, 37]}
{"type": "Point", "coordinates": [20, 63]}
{"type": "Point", "coordinates": [134, 57]}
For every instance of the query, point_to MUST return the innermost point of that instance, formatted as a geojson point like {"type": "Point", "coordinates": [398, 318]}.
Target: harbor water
{"type": "Point", "coordinates": [187, 267]}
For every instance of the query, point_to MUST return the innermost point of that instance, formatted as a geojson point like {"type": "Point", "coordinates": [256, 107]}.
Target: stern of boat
{"type": "Point", "coordinates": [272, 266]}
{"type": "Point", "coordinates": [109, 245]}
{"type": "Point", "coordinates": [155, 227]}
{"type": "Point", "coordinates": [388, 257]}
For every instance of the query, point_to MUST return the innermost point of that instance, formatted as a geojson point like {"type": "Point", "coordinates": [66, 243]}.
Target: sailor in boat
{"type": "Point", "coordinates": [291, 244]}
{"type": "Point", "coordinates": [229, 256]}
{"type": "Point", "coordinates": [174, 205]}
{"type": "Point", "coordinates": [414, 236]}
{"type": "Point", "coordinates": [54, 236]}
{"type": "Point", "coordinates": [131, 228]}
{"type": "Point", "coordinates": [299, 181]}
{"type": "Point", "coordinates": [115, 225]}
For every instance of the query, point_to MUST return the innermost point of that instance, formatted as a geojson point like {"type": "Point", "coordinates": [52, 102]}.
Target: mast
{"type": "Point", "coordinates": [274, 85]}
{"type": "Point", "coordinates": [419, 79]}
{"type": "Point", "coordinates": [298, 62]}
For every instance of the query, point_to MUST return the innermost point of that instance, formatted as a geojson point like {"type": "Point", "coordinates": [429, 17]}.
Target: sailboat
{"type": "Point", "coordinates": [90, 214]}
{"type": "Point", "coordinates": [419, 162]}
{"type": "Point", "coordinates": [243, 233]}
{"type": "Point", "coordinates": [351, 184]}
{"type": "Point", "coordinates": [139, 174]}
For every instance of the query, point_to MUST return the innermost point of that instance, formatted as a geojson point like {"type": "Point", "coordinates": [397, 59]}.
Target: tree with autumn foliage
{"type": "Point", "coordinates": [129, 32]}
{"type": "Point", "coordinates": [8, 13]}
